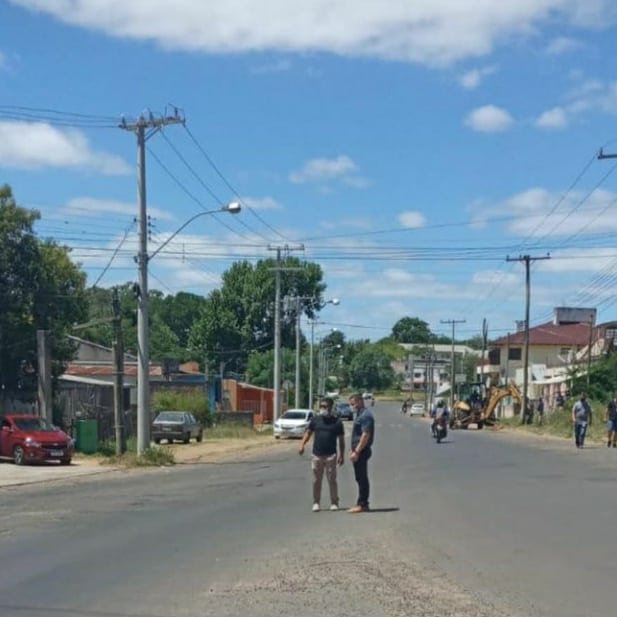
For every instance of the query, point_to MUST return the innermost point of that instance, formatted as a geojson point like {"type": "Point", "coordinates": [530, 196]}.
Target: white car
{"type": "Point", "coordinates": [417, 409]}
{"type": "Point", "coordinates": [292, 423]}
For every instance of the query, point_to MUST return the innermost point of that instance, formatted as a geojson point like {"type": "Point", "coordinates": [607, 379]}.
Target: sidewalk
{"type": "Point", "coordinates": [15, 475]}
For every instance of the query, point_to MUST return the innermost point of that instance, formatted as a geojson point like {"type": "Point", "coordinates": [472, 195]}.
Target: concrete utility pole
{"type": "Point", "coordinates": [453, 322]}
{"type": "Point", "coordinates": [144, 128]}
{"type": "Point", "coordinates": [118, 353]}
{"type": "Point", "coordinates": [526, 259]}
{"type": "Point", "coordinates": [277, 321]}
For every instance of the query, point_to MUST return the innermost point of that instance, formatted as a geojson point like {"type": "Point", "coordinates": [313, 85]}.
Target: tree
{"type": "Point", "coordinates": [370, 369]}
{"type": "Point", "coordinates": [239, 317]}
{"type": "Point", "coordinates": [411, 330]}
{"type": "Point", "coordinates": [40, 287]}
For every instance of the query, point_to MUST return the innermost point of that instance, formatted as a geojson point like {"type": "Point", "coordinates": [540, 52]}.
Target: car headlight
{"type": "Point", "coordinates": [32, 442]}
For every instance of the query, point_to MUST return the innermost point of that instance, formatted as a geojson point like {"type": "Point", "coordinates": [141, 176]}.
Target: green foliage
{"type": "Point", "coordinates": [183, 400]}
{"type": "Point", "coordinates": [239, 317]}
{"type": "Point", "coordinates": [602, 380]}
{"type": "Point", "coordinates": [370, 369]}
{"type": "Point", "coordinates": [411, 330]}
{"type": "Point", "coordinates": [40, 288]}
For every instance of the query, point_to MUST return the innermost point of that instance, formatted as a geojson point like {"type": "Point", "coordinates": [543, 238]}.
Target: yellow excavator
{"type": "Point", "coordinates": [479, 407]}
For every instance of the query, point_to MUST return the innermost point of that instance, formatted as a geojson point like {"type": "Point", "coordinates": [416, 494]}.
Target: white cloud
{"type": "Point", "coordinates": [471, 79]}
{"type": "Point", "coordinates": [36, 145]}
{"type": "Point", "coordinates": [439, 32]}
{"type": "Point", "coordinates": [489, 119]}
{"type": "Point", "coordinates": [531, 212]}
{"type": "Point", "coordinates": [568, 261]}
{"type": "Point", "coordinates": [412, 220]}
{"type": "Point", "coordinates": [562, 45]}
{"type": "Point", "coordinates": [261, 203]}
{"type": "Point", "coordinates": [95, 207]}
{"type": "Point", "coordinates": [323, 170]}
{"type": "Point", "coordinates": [556, 118]}
{"type": "Point", "coordinates": [588, 96]}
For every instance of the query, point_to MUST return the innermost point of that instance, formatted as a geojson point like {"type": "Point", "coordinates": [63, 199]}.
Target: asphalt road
{"type": "Point", "coordinates": [484, 524]}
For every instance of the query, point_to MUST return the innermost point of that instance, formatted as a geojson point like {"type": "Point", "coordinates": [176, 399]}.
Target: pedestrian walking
{"type": "Point", "coordinates": [540, 410]}
{"type": "Point", "coordinates": [327, 429]}
{"type": "Point", "coordinates": [611, 422]}
{"type": "Point", "coordinates": [581, 418]}
{"type": "Point", "coordinates": [362, 436]}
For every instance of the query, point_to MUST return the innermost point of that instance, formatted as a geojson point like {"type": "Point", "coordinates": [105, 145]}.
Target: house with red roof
{"type": "Point", "coordinates": [557, 349]}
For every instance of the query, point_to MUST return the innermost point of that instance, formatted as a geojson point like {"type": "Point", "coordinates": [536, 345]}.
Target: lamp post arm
{"type": "Point", "coordinates": [232, 208]}
{"type": "Point", "coordinates": [173, 235]}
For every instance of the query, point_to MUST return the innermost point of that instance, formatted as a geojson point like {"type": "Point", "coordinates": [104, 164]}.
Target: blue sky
{"type": "Point", "coordinates": [409, 146]}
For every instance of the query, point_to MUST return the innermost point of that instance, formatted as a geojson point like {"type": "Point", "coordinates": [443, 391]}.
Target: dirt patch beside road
{"type": "Point", "coordinates": [210, 450]}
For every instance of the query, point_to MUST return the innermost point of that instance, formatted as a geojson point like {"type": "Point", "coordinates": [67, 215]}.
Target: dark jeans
{"type": "Point", "coordinates": [360, 468]}
{"type": "Point", "coordinates": [580, 429]}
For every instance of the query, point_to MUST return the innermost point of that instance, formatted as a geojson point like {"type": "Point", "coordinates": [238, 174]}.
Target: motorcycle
{"type": "Point", "coordinates": [439, 429]}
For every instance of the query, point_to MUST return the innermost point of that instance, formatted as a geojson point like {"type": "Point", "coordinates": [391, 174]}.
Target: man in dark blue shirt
{"type": "Point", "coordinates": [362, 436]}
{"type": "Point", "coordinates": [328, 430]}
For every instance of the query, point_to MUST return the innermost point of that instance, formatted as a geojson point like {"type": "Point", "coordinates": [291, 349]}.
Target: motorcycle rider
{"type": "Point", "coordinates": [439, 413]}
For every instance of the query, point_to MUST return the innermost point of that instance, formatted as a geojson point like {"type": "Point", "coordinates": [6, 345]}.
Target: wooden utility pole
{"type": "Point", "coordinates": [44, 374]}
{"type": "Point", "coordinates": [526, 259]}
{"type": "Point", "coordinates": [118, 354]}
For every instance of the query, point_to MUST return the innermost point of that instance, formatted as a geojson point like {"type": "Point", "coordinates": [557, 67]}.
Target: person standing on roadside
{"type": "Point", "coordinates": [581, 418]}
{"type": "Point", "coordinates": [611, 422]}
{"type": "Point", "coordinates": [328, 430]}
{"type": "Point", "coordinates": [362, 435]}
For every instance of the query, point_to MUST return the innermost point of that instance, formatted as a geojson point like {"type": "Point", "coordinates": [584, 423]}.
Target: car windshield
{"type": "Point", "coordinates": [170, 416]}
{"type": "Point", "coordinates": [343, 406]}
{"type": "Point", "coordinates": [294, 415]}
{"type": "Point", "coordinates": [35, 424]}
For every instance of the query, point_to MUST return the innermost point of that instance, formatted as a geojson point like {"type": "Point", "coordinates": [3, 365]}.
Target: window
{"type": "Point", "coordinates": [515, 353]}
{"type": "Point", "coordinates": [494, 357]}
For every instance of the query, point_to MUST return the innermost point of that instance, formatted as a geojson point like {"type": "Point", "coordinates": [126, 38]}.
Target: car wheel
{"type": "Point", "coordinates": [170, 440]}
{"type": "Point", "coordinates": [19, 456]}
{"type": "Point", "coordinates": [187, 438]}
{"type": "Point", "coordinates": [157, 441]}
{"type": "Point", "coordinates": [277, 437]}
{"type": "Point", "coordinates": [480, 425]}
{"type": "Point", "coordinates": [65, 461]}
{"type": "Point", "coordinates": [200, 436]}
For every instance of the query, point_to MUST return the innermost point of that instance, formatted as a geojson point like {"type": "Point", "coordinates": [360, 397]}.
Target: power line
{"type": "Point", "coordinates": [230, 187]}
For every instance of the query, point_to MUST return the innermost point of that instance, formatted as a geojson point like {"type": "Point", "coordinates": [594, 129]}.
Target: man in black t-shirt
{"type": "Point", "coordinates": [328, 430]}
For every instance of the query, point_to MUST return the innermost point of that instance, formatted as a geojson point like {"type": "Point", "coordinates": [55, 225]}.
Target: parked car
{"type": "Point", "coordinates": [176, 425]}
{"type": "Point", "coordinates": [417, 409]}
{"type": "Point", "coordinates": [369, 399]}
{"type": "Point", "coordinates": [292, 423]}
{"type": "Point", "coordinates": [344, 411]}
{"type": "Point", "coordinates": [32, 439]}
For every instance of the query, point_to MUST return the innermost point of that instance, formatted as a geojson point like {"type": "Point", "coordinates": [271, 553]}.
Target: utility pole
{"type": "Point", "coordinates": [277, 321]}
{"type": "Point", "coordinates": [44, 374]}
{"type": "Point", "coordinates": [453, 322]}
{"type": "Point", "coordinates": [526, 259]}
{"type": "Point", "coordinates": [118, 353]}
{"type": "Point", "coordinates": [144, 128]}
{"type": "Point", "coordinates": [484, 344]}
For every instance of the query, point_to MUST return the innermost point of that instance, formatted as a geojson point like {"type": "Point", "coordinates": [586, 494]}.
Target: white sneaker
{"type": "Point", "coordinates": [333, 507]}
{"type": "Point", "coordinates": [316, 507]}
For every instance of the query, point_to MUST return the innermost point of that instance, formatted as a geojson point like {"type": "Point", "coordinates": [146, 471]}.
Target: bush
{"type": "Point", "coordinates": [184, 400]}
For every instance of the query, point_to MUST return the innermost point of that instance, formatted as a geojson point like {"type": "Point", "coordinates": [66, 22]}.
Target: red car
{"type": "Point", "coordinates": [31, 439]}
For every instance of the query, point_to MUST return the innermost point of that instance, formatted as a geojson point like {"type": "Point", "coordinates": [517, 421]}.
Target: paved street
{"type": "Point", "coordinates": [484, 524]}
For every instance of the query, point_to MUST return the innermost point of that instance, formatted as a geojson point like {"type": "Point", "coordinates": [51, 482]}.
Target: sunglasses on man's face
{"type": "Point", "coordinates": [323, 407]}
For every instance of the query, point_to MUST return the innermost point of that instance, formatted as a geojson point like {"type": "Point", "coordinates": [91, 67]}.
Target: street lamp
{"type": "Point", "coordinates": [335, 302]}
{"type": "Point", "coordinates": [143, 343]}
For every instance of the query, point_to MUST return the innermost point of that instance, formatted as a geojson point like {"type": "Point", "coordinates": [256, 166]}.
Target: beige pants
{"type": "Point", "coordinates": [319, 464]}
